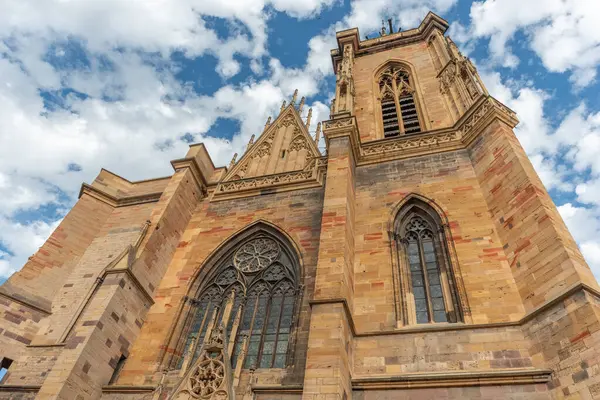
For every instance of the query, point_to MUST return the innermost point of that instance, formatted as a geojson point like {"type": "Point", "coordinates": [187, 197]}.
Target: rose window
{"type": "Point", "coordinates": [256, 255]}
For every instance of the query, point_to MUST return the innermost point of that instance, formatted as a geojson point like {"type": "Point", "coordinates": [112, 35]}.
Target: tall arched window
{"type": "Point", "coordinates": [428, 283]}
{"type": "Point", "coordinates": [259, 278]}
{"type": "Point", "coordinates": [398, 106]}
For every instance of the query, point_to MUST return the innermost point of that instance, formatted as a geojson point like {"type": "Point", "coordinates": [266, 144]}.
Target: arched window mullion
{"type": "Point", "coordinates": [398, 109]}
{"type": "Point", "coordinates": [436, 273]}
{"type": "Point", "coordinates": [425, 275]}
{"type": "Point", "coordinates": [447, 281]}
{"type": "Point", "coordinates": [278, 330]}
{"type": "Point", "coordinates": [211, 316]}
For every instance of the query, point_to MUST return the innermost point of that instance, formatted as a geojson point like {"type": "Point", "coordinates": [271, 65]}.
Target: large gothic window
{"type": "Point", "coordinates": [428, 283]}
{"type": "Point", "coordinates": [252, 293]}
{"type": "Point", "coordinates": [398, 106]}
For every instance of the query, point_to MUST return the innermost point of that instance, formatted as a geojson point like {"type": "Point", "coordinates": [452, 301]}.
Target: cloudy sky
{"type": "Point", "coordinates": [127, 84]}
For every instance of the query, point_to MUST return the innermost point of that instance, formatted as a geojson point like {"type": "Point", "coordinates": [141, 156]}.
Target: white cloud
{"type": "Point", "coordinates": [128, 46]}
{"type": "Point", "coordinates": [584, 224]}
{"type": "Point", "coordinates": [563, 33]}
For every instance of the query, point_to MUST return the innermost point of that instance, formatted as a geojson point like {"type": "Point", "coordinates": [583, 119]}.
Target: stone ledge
{"type": "Point", "coordinates": [453, 379]}
{"type": "Point", "coordinates": [127, 389]}
{"type": "Point", "coordinates": [20, 388]}
{"type": "Point", "coordinates": [308, 178]}
{"type": "Point", "coordinates": [444, 327]}
{"type": "Point", "coordinates": [191, 164]}
{"type": "Point", "coordinates": [458, 137]}
{"type": "Point", "coordinates": [277, 389]}
{"type": "Point", "coordinates": [118, 201]}
{"type": "Point", "coordinates": [24, 302]}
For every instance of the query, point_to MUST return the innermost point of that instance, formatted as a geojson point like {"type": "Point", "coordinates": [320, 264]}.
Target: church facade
{"type": "Point", "coordinates": [419, 257]}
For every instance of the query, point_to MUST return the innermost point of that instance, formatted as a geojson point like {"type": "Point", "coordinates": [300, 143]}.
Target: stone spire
{"type": "Point", "coordinates": [282, 106]}
{"type": "Point", "coordinates": [268, 123]}
{"type": "Point", "coordinates": [308, 118]}
{"type": "Point", "coordinates": [294, 97]}
{"type": "Point", "coordinates": [251, 142]}
{"type": "Point", "coordinates": [232, 163]}
{"type": "Point", "coordinates": [318, 134]}
{"type": "Point", "coordinates": [301, 106]}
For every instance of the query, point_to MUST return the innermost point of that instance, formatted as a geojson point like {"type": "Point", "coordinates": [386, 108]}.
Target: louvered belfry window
{"type": "Point", "coordinates": [398, 107]}
{"type": "Point", "coordinates": [261, 278]}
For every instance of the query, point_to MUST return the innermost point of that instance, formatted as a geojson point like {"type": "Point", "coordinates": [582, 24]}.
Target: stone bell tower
{"type": "Point", "coordinates": [416, 142]}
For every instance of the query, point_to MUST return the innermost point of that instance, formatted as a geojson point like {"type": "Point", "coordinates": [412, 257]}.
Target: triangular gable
{"type": "Point", "coordinates": [283, 147]}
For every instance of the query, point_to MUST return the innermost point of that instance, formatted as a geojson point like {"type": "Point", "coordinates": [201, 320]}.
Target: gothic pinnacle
{"type": "Point", "coordinates": [282, 107]}
{"type": "Point", "coordinates": [232, 163]}
{"type": "Point", "coordinates": [294, 97]}
{"type": "Point", "coordinates": [308, 118]}
{"type": "Point", "coordinates": [251, 142]}
{"type": "Point", "coordinates": [268, 122]}
{"type": "Point", "coordinates": [318, 135]}
{"type": "Point", "coordinates": [301, 106]}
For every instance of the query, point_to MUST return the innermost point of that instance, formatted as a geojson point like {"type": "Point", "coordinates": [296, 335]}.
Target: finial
{"type": "Point", "coordinates": [318, 135]}
{"type": "Point", "coordinates": [251, 142]}
{"type": "Point", "coordinates": [282, 107]}
{"type": "Point", "coordinates": [294, 97]}
{"type": "Point", "coordinates": [308, 118]}
{"type": "Point", "coordinates": [332, 108]}
{"type": "Point", "coordinates": [232, 163]}
{"type": "Point", "coordinates": [301, 106]}
{"type": "Point", "coordinates": [382, 28]}
{"type": "Point", "coordinates": [268, 122]}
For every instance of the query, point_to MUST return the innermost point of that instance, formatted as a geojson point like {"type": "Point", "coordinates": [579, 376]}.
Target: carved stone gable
{"type": "Point", "coordinates": [285, 146]}
{"type": "Point", "coordinates": [210, 378]}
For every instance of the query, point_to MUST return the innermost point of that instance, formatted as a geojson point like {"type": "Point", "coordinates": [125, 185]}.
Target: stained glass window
{"type": "Point", "coordinates": [263, 279]}
{"type": "Point", "coordinates": [424, 270]}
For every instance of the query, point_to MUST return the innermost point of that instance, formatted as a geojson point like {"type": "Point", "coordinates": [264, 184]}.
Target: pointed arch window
{"type": "Point", "coordinates": [398, 107]}
{"type": "Point", "coordinates": [428, 283]}
{"type": "Point", "coordinates": [253, 294]}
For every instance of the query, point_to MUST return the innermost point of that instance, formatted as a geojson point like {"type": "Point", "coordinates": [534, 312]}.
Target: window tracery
{"type": "Point", "coordinates": [259, 279]}
{"type": "Point", "coordinates": [428, 286]}
{"type": "Point", "coordinates": [398, 106]}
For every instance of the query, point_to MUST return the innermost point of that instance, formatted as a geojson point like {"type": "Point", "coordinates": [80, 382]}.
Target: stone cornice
{"type": "Point", "coordinates": [521, 376]}
{"type": "Point", "coordinates": [310, 177]}
{"type": "Point", "coordinates": [277, 389]}
{"type": "Point", "coordinates": [343, 127]}
{"type": "Point", "coordinates": [20, 388]}
{"type": "Point", "coordinates": [192, 165]}
{"type": "Point", "coordinates": [458, 137]}
{"type": "Point", "coordinates": [381, 43]}
{"type": "Point", "coordinates": [114, 201]}
{"type": "Point", "coordinates": [24, 302]}
{"type": "Point", "coordinates": [127, 389]}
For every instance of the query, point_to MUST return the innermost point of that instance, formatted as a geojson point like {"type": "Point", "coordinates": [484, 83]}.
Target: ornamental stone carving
{"type": "Point", "coordinates": [264, 181]}
{"type": "Point", "coordinates": [298, 143]}
{"type": "Point", "coordinates": [256, 255]}
{"type": "Point", "coordinates": [210, 376]}
{"type": "Point", "coordinates": [207, 378]}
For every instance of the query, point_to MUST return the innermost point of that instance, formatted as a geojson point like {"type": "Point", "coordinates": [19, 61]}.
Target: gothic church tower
{"type": "Point", "coordinates": [419, 257]}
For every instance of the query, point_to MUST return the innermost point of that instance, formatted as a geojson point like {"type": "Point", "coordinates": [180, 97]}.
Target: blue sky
{"type": "Point", "coordinates": [127, 85]}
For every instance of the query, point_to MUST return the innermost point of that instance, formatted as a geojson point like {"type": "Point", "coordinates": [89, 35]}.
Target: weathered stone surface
{"type": "Point", "coordinates": [117, 278]}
